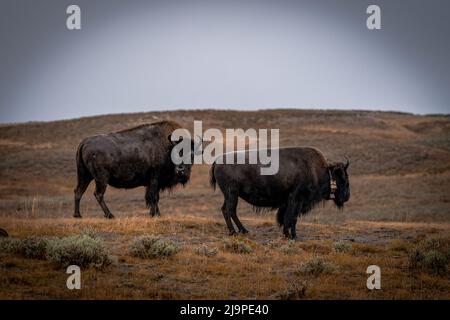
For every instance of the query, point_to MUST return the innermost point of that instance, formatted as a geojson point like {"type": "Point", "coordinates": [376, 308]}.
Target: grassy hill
{"type": "Point", "coordinates": [400, 163]}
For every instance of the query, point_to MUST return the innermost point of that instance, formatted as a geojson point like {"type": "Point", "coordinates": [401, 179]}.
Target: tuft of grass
{"type": "Point", "coordinates": [204, 250]}
{"type": "Point", "coordinates": [432, 255]}
{"type": "Point", "coordinates": [152, 247]}
{"type": "Point", "coordinates": [90, 232]}
{"type": "Point", "coordinates": [317, 266]}
{"type": "Point", "coordinates": [342, 246]}
{"type": "Point", "coordinates": [81, 250]}
{"type": "Point", "coordinates": [290, 249]}
{"type": "Point", "coordinates": [296, 291]}
{"type": "Point", "coordinates": [235, 245]}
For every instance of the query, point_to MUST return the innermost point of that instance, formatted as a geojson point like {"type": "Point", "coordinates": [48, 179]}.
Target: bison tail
{"type": "Point", "coordinates": [212, 177]}
{"type": "Point", "coordinates": [82, 171]}
{"type": "Point", "coordinates": [280, 217]}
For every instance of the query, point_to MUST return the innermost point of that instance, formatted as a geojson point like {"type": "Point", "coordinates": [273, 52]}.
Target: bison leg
{"type": "Point", "coordinates": [82, 185]}
{"type": "Point", "coordinates": [286, 225]}
{"type": "Point", "coordinates": [229, 210]}
{"type": "Point", "coordinates": [100, 189]}
{"type": "Point", "coordinates": [290, 216]}
{"type": "Point", "coordinates": [152, 198]}
{"type": "Point", "coordinates": [155, 208]}
{"type": "Point", "coordinates": [293, 228]}
{"type": "Point", "coordinates": [238, 223]}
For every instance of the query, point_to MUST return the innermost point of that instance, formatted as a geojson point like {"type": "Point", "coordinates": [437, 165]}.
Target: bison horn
{"type": "Point", "coordinates": [347, 162]}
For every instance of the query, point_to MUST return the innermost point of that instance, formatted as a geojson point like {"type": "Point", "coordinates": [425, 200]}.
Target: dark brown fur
{"type": "Point", "coordinates": [130, 158]}
{"type": "Point", "coordinates": [303, 181]}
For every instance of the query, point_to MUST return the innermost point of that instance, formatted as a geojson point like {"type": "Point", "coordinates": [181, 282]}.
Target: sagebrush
{"type": "Point", "coordinates": [81, 250]}
{"type": "Point", "coordinates": [152, 247]}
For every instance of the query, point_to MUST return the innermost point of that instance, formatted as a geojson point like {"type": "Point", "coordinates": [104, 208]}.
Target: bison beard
{"type": "Point", "coordinates": [304, 180]}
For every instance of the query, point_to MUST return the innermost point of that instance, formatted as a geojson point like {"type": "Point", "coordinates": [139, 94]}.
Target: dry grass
{"type": "Point", "coordinates": [400, 176]}
{"type": "Point", "coordinates": [269, 271]}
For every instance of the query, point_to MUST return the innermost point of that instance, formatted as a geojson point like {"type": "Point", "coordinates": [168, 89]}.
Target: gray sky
{"type": "Point", "coordinates": [138, 55]}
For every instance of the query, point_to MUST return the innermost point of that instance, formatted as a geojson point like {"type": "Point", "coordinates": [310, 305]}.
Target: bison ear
{"type": "Point", "coordinates": [347, 163]}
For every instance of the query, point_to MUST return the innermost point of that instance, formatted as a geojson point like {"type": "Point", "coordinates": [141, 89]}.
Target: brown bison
{"type": "Point", "coordinates": [130, 158]}
{"type": "Point", "coordinates": [304, 179]}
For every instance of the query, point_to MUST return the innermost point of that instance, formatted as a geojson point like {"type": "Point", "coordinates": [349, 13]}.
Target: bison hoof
{"type": "Point", "coordinates": [78, 216]}
{"type": "Point", "coordinates": [110, 216]}
{"type": "Point", "coordinates": [243, 231]}
{"type": "Point", "coordinates": [233, 233]}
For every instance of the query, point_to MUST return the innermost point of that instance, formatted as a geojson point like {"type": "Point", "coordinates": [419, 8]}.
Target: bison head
{"type": "Point", "coordinates": [183, 169]}
{"type": "Point", "coordinates": [338, 173]}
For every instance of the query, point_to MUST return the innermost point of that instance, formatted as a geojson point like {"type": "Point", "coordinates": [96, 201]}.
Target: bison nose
{"type": "Point", "coordinates": [180, 170]}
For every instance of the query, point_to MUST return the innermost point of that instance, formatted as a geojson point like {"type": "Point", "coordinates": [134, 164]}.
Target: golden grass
{"type": "Point", "coordinates": [265, 273]}
{"type": "Point", "coordinates": [399, 176]}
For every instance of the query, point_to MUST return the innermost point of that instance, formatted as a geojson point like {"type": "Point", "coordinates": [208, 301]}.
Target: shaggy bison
{"type": "Point", "coordinates": [305, 178]}
{"type": "Point", "coordinates": [130, 158]}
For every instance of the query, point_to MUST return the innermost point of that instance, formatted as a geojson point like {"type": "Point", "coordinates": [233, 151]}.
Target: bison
{"type": "Point", "coordinates": [140, 156]}
{"type": "Point", "coordinates": [304, 179]}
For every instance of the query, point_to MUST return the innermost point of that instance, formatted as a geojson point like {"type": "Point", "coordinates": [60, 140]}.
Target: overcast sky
{"type": "Point", "coordinates": [138, 55]}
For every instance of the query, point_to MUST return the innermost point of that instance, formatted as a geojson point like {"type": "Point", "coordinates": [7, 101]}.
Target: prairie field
{"type": "Point", "coordinates": [399, 208]}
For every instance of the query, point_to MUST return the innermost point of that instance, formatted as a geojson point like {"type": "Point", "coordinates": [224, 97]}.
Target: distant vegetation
{"type": "Point", "coordinates": [152, 247]}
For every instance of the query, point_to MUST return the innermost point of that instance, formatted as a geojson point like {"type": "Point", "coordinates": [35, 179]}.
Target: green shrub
{"type": "Point", "coordinates": [204, 250]}
{"type": "Point", "coordinates": [9, 245]}
{"type": "Point", "coordinates": [152, 247]}
{"type": "Point", "coordinates": [435, 261]}
{"type": "Point", "coordinates": [235, 245]}
{"type": "Point", "coordinates": [317, 266]}
{"type": "Point", "coordinates": [33, 247]}
{"type": "Point", "coordinates": [81, 250]}
{"type": "Point", "coordinates": [431, 255]}
{"type": "Point", "coordinates": [342, 246]}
